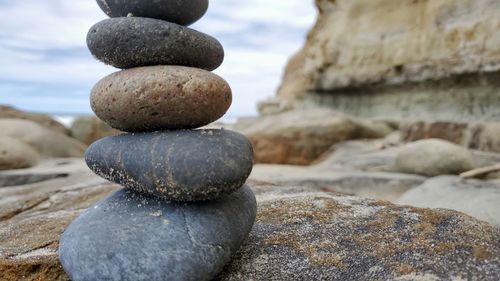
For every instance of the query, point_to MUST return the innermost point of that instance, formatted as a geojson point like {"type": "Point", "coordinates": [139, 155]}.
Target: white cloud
{"type": "Point", "coordinates": [45, 65]}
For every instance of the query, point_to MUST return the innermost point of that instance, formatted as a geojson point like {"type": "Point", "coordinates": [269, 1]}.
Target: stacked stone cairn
{"type": "Point", "coordinates": [185, 209]}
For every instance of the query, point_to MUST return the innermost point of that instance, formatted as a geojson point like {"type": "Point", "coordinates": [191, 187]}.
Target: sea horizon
{"type": "Point", "coordinates": [68, 119]}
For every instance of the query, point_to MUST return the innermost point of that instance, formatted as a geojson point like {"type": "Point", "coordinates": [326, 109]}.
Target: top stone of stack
{"type": "Point", "coordinates": [183, 12]}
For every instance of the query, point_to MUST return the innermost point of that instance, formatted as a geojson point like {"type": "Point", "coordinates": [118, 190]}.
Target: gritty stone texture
{"type": "Point", "coordinates": [47, 142]}
{"type": "Point", "coordinates": [365, 234]}
{"type": "Point", "coordinates": [182, 12]}
{"type": "Point", "coordinates": [178, 165]}
{"type": "Point", "coordinates": [476, 198]}
{"type": "Point", "coordinates": [15, 154]}
{"type": "Point", "coordinates": [433, 157]}
{"type": "Point", "coordinates": [160, 97]}
{"type": "Point", "coordinates": [129, 236]}
{"type": "Point", "coordinates": [323, 236]}
{"type": "Point", "coordinates": [132, 42]}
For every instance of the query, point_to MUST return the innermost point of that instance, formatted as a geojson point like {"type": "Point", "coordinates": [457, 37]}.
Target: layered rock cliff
{"type": "Point", "coordinates": [424, 59]}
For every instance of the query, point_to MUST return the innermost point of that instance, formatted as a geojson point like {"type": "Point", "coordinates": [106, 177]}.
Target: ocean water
{"type": "Point", "coordinates": [67, 120]}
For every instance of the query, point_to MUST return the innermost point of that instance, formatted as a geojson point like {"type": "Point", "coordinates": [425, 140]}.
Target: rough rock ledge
{"type": "Point", "coordinates": [300, 234]}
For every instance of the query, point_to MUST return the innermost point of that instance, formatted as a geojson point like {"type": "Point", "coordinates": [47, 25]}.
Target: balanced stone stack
{"type": "Point", "coordinates": [185, 209]}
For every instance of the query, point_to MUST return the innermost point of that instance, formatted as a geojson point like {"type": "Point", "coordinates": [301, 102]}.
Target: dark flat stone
{"type": "Point", "coordinates": [162, 97]}
{"type": "Point", "coordinates": [130, 236]}
{"type": "Point", "coordinates": [181, 12]}
{"type": "Point", "coordinates": [189, 165]}
{"type": "Point", "coordinates": [132, 42]}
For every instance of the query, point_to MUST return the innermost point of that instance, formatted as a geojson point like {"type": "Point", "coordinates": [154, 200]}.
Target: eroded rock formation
{"type": "Point", "coordinates": [392, 59]}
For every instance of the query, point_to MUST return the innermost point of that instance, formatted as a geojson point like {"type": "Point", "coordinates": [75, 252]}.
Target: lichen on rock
{"type": "Point", "coordinates": [325, 236]}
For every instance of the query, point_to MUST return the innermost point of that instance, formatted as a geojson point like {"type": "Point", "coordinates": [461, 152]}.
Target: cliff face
{"type": "Point", "coordinates": [376, 58]}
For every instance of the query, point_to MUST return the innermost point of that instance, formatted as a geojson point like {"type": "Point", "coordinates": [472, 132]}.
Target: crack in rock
{"type": "Point", "coordinates": [197, 243]}
{"type": "Point", "coordinates": [24, 208]}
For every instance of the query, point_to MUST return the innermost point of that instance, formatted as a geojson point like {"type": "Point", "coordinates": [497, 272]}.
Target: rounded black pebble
{"type": "Point", "coordinates": [182, 12]}
{"type": "Point", "coordinates": [186, 165]}
{"type": "Point", "coordinates": [133, 42]}
{"type": "Point", "coordinates": [131, 236]}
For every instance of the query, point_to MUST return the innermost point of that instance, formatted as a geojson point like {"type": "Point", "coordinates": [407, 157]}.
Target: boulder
{"type": "Point", "coordinates": [358, 167]}
{"type": "Point", "coordinates": [299, 137]}
{"type": "Point", "coordinates": [89, 129]}
{"type": "Point", "coordinates": [41, 119]}
{"type": "Point", "coordinates": [379, 155]}
{"type": "Point", "coordinates": [375, 155]}
{"type": "Point", "coordinates": [477, 198]}
{"type": "Point", "coordinates": [300, 234]}
{"type": "Point", "coordinates": [433, 157]}
{"type": "Point", "coordinates": [15, 154]}
{"type": "Point", "coordinates": [48, 143]}
{"type": "Point", "coordinates": [363, 168]}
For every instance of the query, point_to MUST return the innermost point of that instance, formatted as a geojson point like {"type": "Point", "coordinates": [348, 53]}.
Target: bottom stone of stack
{"type": "Point", "coordinates": [132, 236]}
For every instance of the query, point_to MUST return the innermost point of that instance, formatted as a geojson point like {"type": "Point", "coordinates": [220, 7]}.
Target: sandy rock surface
{"type": "Point", "coordinates": [300, 232]}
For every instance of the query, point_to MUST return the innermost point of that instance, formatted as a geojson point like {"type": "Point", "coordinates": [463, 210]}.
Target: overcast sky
{"type": "Point", "coordinates": [45, 65]}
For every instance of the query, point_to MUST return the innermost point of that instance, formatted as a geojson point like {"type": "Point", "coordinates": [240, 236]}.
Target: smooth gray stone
{"type": "Point", "coordinates": [130, 236]}
{"type": "Point", "coordinates": [189, 165]}
{"type": "Point", "coordinates": [182, 12]}
{"type": "Point", "coordinates": [131, 42]}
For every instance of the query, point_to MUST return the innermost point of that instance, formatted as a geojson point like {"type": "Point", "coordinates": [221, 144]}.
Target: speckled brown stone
{"type": "Point", "coordinates": [132, 42]}
{"type": "Point", "coordinates": [160, 97]}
